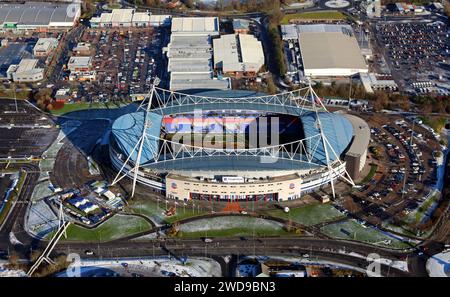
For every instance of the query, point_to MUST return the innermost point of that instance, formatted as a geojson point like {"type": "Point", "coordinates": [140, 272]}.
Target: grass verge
{"type": "Point", "coordinates": [314, 15]}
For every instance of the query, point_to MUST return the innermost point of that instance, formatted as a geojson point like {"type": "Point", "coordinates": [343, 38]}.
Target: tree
{"type": "Point", "coordinates": [188, 3]}
{"type": "Point", "coordinates": [271, 88]}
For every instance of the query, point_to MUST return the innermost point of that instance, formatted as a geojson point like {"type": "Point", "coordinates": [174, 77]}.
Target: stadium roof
{"type": "Point", "coordinates": [38, 14]}
{"type": "Point", "coordinates": [127, 131]}
{"type": "Point", "coordinates": [361, 139]}
{"type": "Point", "coordinates": [337, 129]}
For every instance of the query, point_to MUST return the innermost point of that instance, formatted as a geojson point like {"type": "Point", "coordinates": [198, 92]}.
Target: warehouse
{"type": "Point", "coordinates": [38, 16]}
{"type": "Point", "coordinates": [190, 54]}
{"type": "Point", "coordinates": [44, 46]}
{"type": "Point", "coordinates": [325, 50]}
{"type": "Point", "coordinates": [121, 18]}
{"type": "Point", "coordinates": [25, 71]}
{"type": "Point", "coordinates": [238, 55]}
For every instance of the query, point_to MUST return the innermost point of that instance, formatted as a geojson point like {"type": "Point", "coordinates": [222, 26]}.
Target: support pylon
{"type": "Point", "coordinates": [315, 100]}
{"type": "Point", "coordinates": [139, 145]}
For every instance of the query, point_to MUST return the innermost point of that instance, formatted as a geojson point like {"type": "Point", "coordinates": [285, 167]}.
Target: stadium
{"type": "Point", "coordinates": [203, 145]}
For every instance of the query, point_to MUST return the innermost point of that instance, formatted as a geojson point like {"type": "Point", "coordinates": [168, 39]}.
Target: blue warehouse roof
{"type": "Point", "coordinates": [337, 129]}
{"type": "Point", "coordinates": [127, 130]}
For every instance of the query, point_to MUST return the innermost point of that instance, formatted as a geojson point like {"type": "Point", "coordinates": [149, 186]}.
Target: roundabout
{"type": "Point", "coordinates": [337, 3]}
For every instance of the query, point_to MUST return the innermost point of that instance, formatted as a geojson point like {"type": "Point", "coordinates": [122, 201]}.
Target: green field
{"type": "Point", "coordinates": [70, 107]}
{"type": "Point", "coordinates": [116, 227]}
{"type": "Point", "coordinates": [227, 226]}
{"type": "Point", "coordinates": [154, 211]}
{"type": "Point", "coordinates": [308, 215]}
{"type": "Point", "coordinates": [359, 233]}
{"type": "Point", "coordinates": [315, 15]}
{"type": "Point", "coordinates": [373, 170]}
{"type": "Point", "coordinates": [233, 232]}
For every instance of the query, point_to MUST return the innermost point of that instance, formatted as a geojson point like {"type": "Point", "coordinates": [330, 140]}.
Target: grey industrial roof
{"type": "Point", "coordinates": [37, 13]}
{"type": "Point", "coordinates": [330, 50]}
{"type": "Point", "coordinates": [292, 31]}
{"type": "Point", "coordinates": [361, 133]}
{"type": "Point", "coordinates": [188, 80]}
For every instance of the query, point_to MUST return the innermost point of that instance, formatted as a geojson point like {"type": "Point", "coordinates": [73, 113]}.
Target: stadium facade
{"type": "Point", "coordinates": [141, 149]}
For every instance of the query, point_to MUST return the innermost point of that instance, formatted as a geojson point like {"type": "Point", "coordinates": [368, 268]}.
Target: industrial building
{"type": "Point", "coordinates": [44, 46]}
{"type": "Point", "coordinates": [324, 50]}
{"type": "Point", "coordinates": [25, 71]}
{"type": "Point", "coordinates": [190, 54]}
{"type": "Point", "coordinates": [160, 20]}
{"type": "Point", "coordinates": [81, 69]}
{"type": "Point", "coordinates": [128, 18]}
{"type": "Point", "coordinates": [40, 16]}
{"type": "Point", "coordinates": [79, 64]}
{"type": "Point", "coordinates": [371, 82]}
{"type": "Point", "coordinates": [239, 55]}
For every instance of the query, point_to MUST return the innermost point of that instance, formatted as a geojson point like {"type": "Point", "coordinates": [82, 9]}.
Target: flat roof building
{"type": "Point", "coordinates": [160, 20]}
{"type": "Point", "coordinates": [38, 15]}
{"type": "Point", "coordinates": [44, 46]}
{"type": "Point", "coordinates": [238, 55]}
{"type": "Point", "coordinates": [327, 50]}
{"type": "Point", "coordinates": [195, 26]}
{"type": "Point", "coordinates": [190, 54]}
{"type": "Point", "coordinates": [79, 64]}
{"type": "Point", "coordinates": [25, 71]}
{"type": "Point", "coordinates": [124, 17]}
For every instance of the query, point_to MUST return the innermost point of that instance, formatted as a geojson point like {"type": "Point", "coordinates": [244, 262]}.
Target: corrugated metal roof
{"type": "Point", "coordinates": [38, 13]}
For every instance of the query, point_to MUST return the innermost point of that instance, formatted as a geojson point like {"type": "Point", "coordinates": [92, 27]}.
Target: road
{"type": "Point", "coordinates": [315, 248]}
{"type": "Point", "coordinates": [320, 248]}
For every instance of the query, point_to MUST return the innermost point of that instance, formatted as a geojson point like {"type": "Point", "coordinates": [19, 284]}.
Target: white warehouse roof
{"type": "Point", "coordinates": [122, 15]}
{"type": "Point", "coordinates": [44, 44]}
{"type": "Point", "coordinates": [242, 52]}
{"type": "Point", "coordinates": [205, 25]}
{"type": "Point", "coordinates": [327, 49]}
{"type": "Point", "coordinates": [79, 61]}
